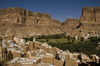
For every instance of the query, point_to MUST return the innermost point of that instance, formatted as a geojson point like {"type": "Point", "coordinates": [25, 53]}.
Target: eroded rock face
{"type": "Point", "coordinates": [90, 14]}
{"type": "Point", "coordinates": [55, 23]}
{"type": "Point", "coordinates": [42, 19]}
{"type": "Point", "coordinates": [22, 22]}
{"type": "Point", "coordinates": [18, 21]}
{"type": "Point", "coordinates": [90, 19]}
{"type": "Point", "coordinates": [70, 24]}
{"type": "Point", "coordinates": [22, 16]}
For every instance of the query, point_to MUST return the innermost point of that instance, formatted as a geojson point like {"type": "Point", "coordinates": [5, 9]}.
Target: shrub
{"type": "Point", "coordinates": [82, 39]}
{"type": "Point", "coordinates": [68, 38]}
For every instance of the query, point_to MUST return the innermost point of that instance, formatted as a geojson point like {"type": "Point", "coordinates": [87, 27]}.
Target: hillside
{"type": "Point", "coordinates": [18, 21]}
{"type": "Point", "coordinates": [22, 22]}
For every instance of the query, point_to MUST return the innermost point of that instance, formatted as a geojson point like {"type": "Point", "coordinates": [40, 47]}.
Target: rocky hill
{"type": "Point", "coordinates": [19, 21]}
{"type": "Point", "coordinates": [90, 14]}
{"type": "Point", "coordinates": [90, 19]}
{"type": "Point", "coordinates": [70, 24]}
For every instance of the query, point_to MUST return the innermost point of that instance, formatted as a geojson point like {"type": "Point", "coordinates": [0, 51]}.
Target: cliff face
{"type": "Point", "coordinates": [90, 14]}
{"type": "Point", "coordinates": [22, 16]}
{"type": "Point", "coordinates": [19, 21]}
{"type": "Point", "coordinates": [90, 19]}
{"type": "Point", "coordinates": [22, 22]}
{"type": "Point", "coordinates": [70, 24]}
{"type": "Point", "coordinates": [14, 15]}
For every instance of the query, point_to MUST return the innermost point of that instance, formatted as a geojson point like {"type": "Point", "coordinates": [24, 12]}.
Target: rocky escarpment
{"type": "Point", "coordinates": [19, 21]}
{"type": "Point", "coordinates": [90, 19]}
{"type": "Point", "coordinates": [88, 22]}
{"type": "Point", "coordinates": [22, 16]}
{"type": "Point", "coordinates": [70, 24]}
{"type": "Point", "coordinates": [22, 22]}
{"type": "Point", "coordinates": [90, 14]}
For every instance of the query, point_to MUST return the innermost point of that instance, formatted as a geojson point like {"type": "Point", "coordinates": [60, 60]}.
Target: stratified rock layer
{"type": "Point", "coordinates": [22, 22]}
{"type": "Point", "coordinates": [70, 24]}
{"type": "Point", "coordinates": [19, 21]}
{"type": "Point", "coordinates": [90, 14]}
{"type": "Point", "coordinates": [90, 19]}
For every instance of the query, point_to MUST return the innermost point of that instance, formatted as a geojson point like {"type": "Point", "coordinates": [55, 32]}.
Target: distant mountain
{"type": "Point", "coordinates": [22, 22]}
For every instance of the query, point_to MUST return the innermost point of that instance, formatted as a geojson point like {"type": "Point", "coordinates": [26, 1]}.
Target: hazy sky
{"type": "Point", "coordinates": [58, 9]}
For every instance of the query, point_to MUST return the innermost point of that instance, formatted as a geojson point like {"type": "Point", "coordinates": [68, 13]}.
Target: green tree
{"type": "Point", "coordinates": [47, 40]}
{"type": "Point", "coordinates": [82, 39]}
{"type": "Point", "coordinates": [68, 38]}
{"type": "Point", "coordinates": [73, 40]}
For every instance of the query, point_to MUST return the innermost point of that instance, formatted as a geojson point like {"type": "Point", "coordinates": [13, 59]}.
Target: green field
{"type": "Point", "coordinates": [62, 40]}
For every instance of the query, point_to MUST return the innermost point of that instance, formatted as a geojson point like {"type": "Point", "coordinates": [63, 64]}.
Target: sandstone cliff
{"type": "Point", "coordinates": [90, 14]}
{"type": "Point", "coordinates": [90, 19]}
{"type": "Point", "coordinates": [22, 22]}
{"type": "Point", "coordinates": [22, 16]}
{"type": "Point", "coordinates": [19, 21]}
{"type": "Point", "coordinates": [70, 24]}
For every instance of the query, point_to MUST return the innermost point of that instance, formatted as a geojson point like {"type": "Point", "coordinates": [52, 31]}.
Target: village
{"type": "Point", "coordinates": [49, 32]}
{"type": "Point", "coordinates": [15, 51]}
{"type": "Point", "coordinates": [83, 34]}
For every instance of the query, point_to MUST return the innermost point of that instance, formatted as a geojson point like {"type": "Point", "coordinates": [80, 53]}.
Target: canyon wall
{"type": "Point", "coordinates": [19, 21]}
{"type": "Point", "coordinates": [90, 19]}
{"type": "Point", "coordinates": [22, 22]}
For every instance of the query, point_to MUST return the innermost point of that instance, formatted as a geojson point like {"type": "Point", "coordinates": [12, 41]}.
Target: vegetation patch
{"type": "Point", "coordinates": [80, 45]}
